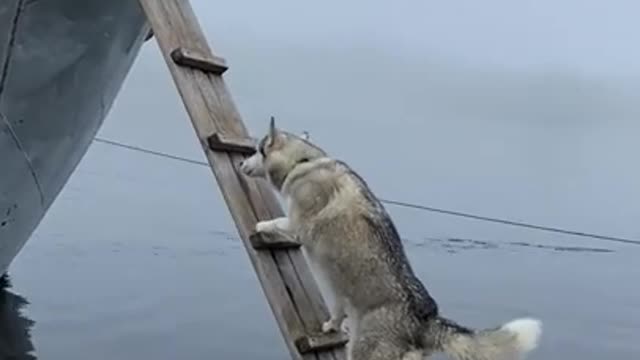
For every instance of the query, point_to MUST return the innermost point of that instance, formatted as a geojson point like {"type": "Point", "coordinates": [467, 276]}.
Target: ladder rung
{"type": "Point", "coordinates": [195, 59]}
{"type": "Point", "coordinates": [263, 241]}
{"type": "Point", "coordinates": [219, 142]}
{"type": "Point", "coordinates": [321, 342]}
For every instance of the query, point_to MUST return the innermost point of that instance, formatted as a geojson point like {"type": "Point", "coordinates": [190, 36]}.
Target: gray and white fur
{"type": "Point", "coordinates": [352, 241]}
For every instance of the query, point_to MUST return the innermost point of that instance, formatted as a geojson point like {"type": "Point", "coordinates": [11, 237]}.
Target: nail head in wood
{"type": "Point", "coordinates": [272, 241]}
{"type": "Point", "coordinates": [197, 60]}
{"type": "Point", "coordinates": [321, 342]}
{"type": "Point", "coordinates": [219, 142]}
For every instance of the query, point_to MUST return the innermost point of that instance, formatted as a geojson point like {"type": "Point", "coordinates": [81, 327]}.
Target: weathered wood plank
{"type": "Point", "coordinates": [292, 264]}
{"type": "Point", "coordinates": [170, 35]}
{"type": "Point", "coordinates": [285, 278]}
{"type": "Point", "coordinates": [194, 59]}
{"type": "Point", "coordinates": [272, 241]}
{"type": "Point", "coordinates": [321, 342]}
{"type": "Point", "coordinates": [218, 142]}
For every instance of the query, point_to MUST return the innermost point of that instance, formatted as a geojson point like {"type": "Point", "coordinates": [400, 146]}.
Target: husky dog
{"type": "Point", "coordinates": [347, 232]}
{"type": "Point", "coordinates": [254, 167]}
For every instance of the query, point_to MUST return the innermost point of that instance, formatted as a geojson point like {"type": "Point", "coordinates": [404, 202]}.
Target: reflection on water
{"type": "Point", "coordinates": [455, 245]}
{"type": "Point", "coordinates": [15, 328]}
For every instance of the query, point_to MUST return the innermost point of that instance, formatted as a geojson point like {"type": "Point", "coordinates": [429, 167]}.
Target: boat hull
{"type": "Point", "coordinates": [62, 66]}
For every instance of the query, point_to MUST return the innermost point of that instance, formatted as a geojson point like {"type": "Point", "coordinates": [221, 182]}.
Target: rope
{"type": "Point", "coordinates": [409, 205]}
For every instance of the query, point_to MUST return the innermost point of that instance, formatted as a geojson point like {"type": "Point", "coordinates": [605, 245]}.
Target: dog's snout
{"type": "Point", "coordinates": [243, 167]}
{"type": "Point", "coordinates": [251, 166]}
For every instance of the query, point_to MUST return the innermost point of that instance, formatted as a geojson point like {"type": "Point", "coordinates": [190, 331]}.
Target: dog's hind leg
{"type": "Point", "coordinates": [375, 342]}
{"type": "Point", "coordinates": [413, 355]}
{"type": "Point", "coordinates": [375, 338]}
{"type": "Point", "coordinates": [338, 314]}
{"type": "Point", "coordinates": [377, 348]}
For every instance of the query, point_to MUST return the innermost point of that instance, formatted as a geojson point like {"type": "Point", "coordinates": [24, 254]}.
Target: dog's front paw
{"type": "Point", "coordinates": [281, 223]}
{"type": "Point", "coordinates": [331, 325]}
{"type": "Point", "coordinates": [264, 226]}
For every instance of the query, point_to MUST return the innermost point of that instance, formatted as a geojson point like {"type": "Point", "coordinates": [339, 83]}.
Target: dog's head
{"type": "Point", "coordinates": [277, 153]}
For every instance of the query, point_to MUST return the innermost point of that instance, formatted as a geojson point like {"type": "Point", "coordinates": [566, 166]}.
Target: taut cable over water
{"type": "Point", "coordinates": [408, 204]}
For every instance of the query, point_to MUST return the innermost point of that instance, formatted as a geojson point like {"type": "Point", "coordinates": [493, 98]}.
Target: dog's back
{"type": "Point", "coordinates": [351, 232]}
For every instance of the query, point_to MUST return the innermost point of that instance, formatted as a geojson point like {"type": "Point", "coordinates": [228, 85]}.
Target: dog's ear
{"type": "Point", "coordinates": [273, 132]}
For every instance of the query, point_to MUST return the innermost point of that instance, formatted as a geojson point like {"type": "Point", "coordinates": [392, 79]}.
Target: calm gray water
{"type": "Point", "coordinates": [522, 111]}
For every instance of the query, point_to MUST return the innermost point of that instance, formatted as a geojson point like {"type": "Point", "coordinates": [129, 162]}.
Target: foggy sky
{"type": "Point", "coordinates": [522, 109]}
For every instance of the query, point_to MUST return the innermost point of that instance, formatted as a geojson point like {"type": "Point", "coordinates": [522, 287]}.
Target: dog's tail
{"type": "Point", "coordinates": [507, 342]}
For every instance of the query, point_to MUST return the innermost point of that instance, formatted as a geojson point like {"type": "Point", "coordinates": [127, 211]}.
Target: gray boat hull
{"type": "Point", "coordinates": [62, 64]}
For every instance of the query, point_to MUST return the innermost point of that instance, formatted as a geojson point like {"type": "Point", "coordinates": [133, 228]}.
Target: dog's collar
{"type": "Point", "coordinates": [298, 163]}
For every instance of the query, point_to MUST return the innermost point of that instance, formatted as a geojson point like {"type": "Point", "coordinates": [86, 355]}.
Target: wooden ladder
{"type": "Point", "coordinates": [281, 268]}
